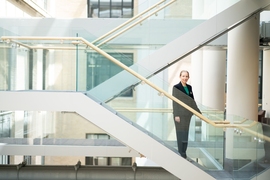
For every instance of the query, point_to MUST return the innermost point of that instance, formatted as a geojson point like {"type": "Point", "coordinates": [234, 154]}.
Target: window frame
{"type": "Point", "coordinates": [125, 7]}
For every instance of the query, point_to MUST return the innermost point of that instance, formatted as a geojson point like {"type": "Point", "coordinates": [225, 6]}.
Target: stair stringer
{"type": "Point", "coordinates": [107, 120]}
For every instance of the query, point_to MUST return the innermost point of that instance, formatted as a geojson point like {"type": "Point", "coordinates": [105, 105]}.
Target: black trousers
{"type": "Point", "coordinates": [182, 130]}
{"type": "Point", "coordinates": [182, 142]}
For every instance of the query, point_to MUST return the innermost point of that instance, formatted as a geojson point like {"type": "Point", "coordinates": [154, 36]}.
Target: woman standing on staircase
{"type": "Point", "coordinates": [182, 116]}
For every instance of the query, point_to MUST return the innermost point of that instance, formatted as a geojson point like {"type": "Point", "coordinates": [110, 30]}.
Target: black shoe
{"type": "Point", "coordinates": [189, 159]}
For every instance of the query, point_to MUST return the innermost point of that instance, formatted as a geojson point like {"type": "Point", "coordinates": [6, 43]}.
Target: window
{"type": "Point", "coordinates": [97, 136]}
{"type": "Point", "coordinates": [5, 130]}
{"type": "Point", "coordinates": [99, 69]}
{"type": "Point", "coordinates": [4, 159]}
{"type": "Point", "coordinates": [5, 123]}
{"type": "Point", "coordinates": [106, 161]}
{"type": "Point", "coordinates": [110, 8]}
{"type": "Point", "coordinates": [28, 160]}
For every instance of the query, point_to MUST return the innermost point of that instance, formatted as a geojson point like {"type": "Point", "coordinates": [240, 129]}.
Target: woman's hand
{"type": "Point", "coordinates": [177, 119]}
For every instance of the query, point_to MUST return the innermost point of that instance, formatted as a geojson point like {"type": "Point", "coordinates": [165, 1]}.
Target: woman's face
{"type": "Point", "coordinates": [184, 77]}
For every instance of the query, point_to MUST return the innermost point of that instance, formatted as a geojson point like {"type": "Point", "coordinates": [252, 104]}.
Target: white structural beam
{"type": "Point", "coordinates": [37, 8]}
{"type": "Point", "coordinates": [64, 150]}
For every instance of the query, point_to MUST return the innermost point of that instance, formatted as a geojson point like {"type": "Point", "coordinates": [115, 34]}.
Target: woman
{"type": "Point", "coordinates": [182, 116]}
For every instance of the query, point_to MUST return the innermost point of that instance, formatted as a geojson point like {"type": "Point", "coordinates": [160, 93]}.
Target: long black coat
{"type": "Point", "coordinates": [184, 114]}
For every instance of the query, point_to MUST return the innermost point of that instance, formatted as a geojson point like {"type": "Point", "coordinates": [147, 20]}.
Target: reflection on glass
{"type": "Point", "coordinates": [100, 69]}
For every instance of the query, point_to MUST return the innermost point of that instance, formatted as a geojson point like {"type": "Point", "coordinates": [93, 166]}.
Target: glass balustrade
{"type": "Point", "coordinates": [153, 112]}
{"type": "Point", "coordinates": [207, 146]}
{"type": "Point", "coordinates": [242, 155]}
{"type": "Point", "coordinates": [61, 65]}
{"type": "Point", "coordinates": [244, 150]}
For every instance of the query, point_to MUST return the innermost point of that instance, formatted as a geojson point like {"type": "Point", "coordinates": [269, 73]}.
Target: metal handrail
{"type": "Point", "coordinates": [80, 40]}
{"type": "Point", "coordinates": [125, 23]}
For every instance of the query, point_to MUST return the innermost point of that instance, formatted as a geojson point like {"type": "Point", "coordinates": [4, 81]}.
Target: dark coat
{"type": "Point", "coordinates": [181, 88]}
{"type": "Point", "coordinates": [184, 114]}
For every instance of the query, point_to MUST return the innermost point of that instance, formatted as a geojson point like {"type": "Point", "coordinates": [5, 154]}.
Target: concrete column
{"type": "Point", "coordinates": [213, 82]}
{"type": "Point", "coordinates": [213, 78]}
{"type": "Point", "coordinates": [18, 131]}
{"type": "Point", "coordinates": [50, 71]}
{"type": "Point", "coordinates": [242, 80]}
{"type": "Point", "coordinates": [22, 61]}
{"type": "Point", "coordinates": [37, 79]}
{"type": "Point", "coordinates": [242, 72]}
{"type": "Point", "coordinates": [266, 83]}
{"type": "Point", "coordinates": [196, 74]}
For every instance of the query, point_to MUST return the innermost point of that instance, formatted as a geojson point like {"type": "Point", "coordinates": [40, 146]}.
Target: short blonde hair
{"type": "Point", "coordinates": [183, 72]}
